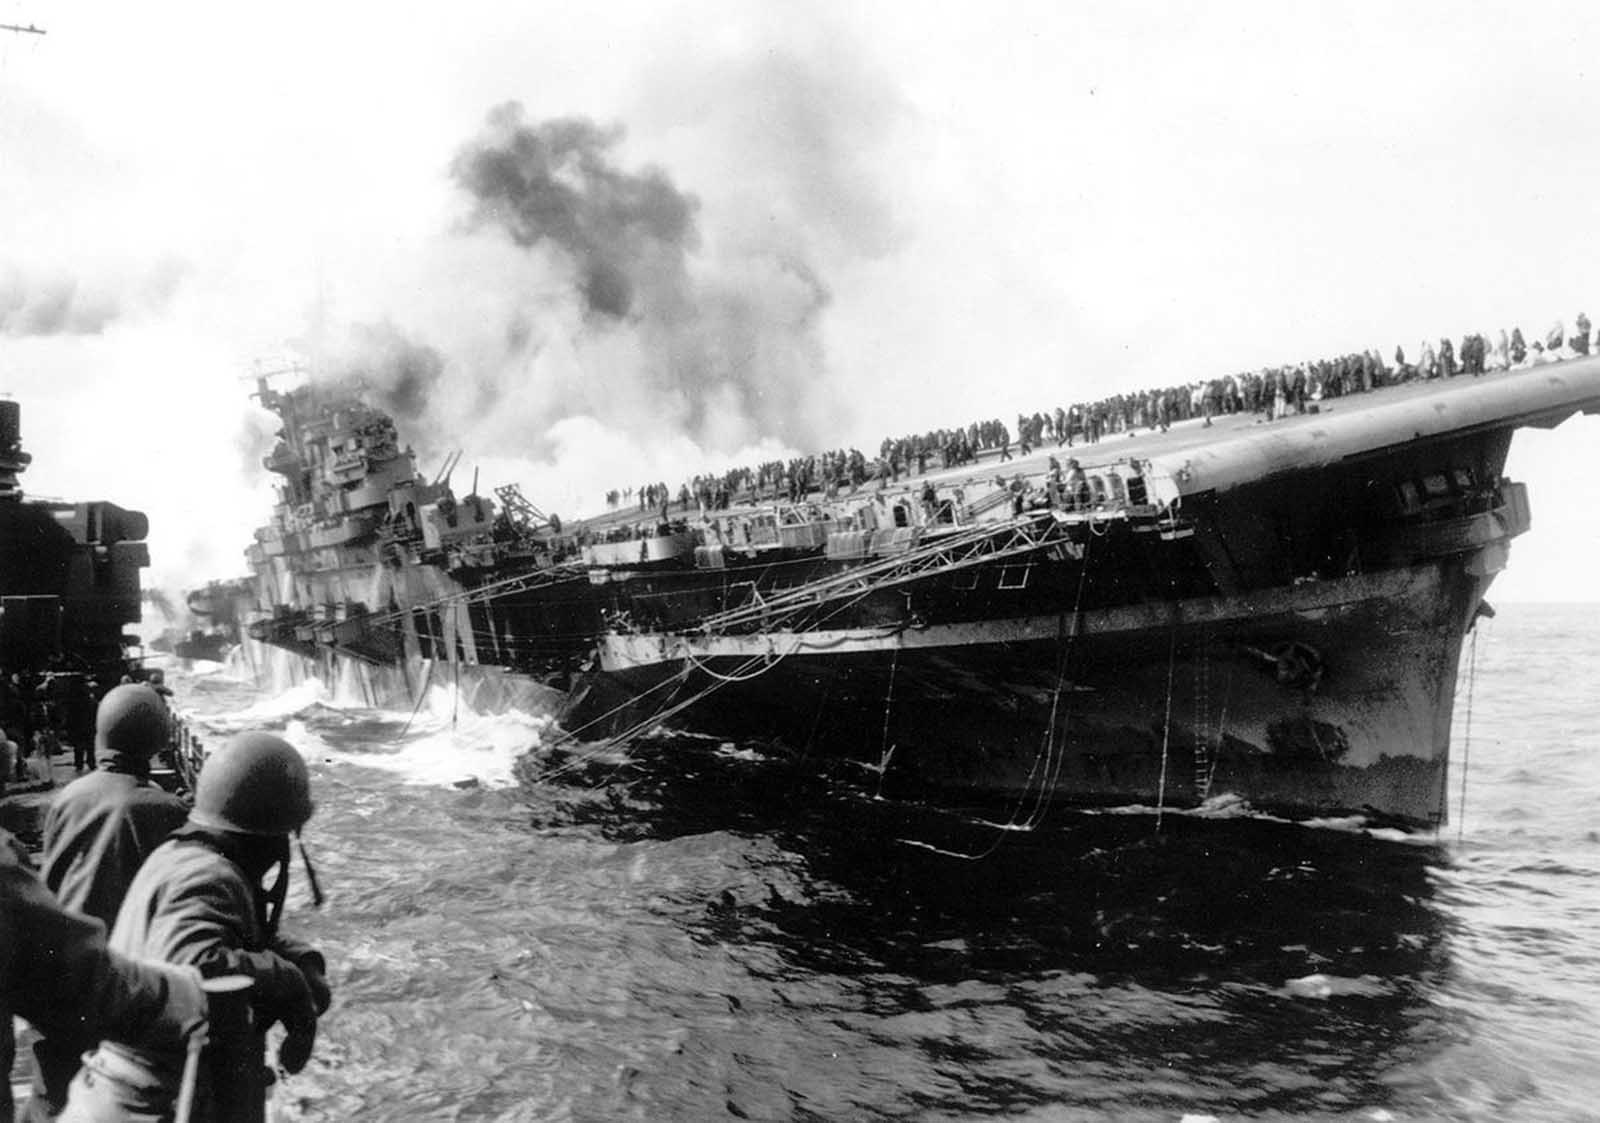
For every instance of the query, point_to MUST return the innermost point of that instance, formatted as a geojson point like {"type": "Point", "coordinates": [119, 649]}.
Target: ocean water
{"type": "Point", "coordinates": [694, 930]}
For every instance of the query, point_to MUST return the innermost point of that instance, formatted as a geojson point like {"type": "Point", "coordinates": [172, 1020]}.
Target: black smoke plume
{"type": "Point", "coordinates": [396, 373]}
{"type": "Point", "coordinates": [724, 346]}
{"type": "Point", "coordinates": [385, 367]}
{"type": "Point", "coordinates": [556, 184]}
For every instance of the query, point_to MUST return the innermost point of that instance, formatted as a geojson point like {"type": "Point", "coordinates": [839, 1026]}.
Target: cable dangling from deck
{"type": "Point", "coordinates": [1222, 733]}
{"type": "Point", "coordinates": [1166, 731]}
{"type": "Point", "coordinates": [570, 736]}
{"type": "Point", "coordinates": [1052, 754]}
{"type": "Point", "coordinates": [751, 668]}
{"type": "Point", "coordinates": [1466, 735]}
{"type": "Point", "coordinates": [885, 750]}
{"type": "Point", "coordinates": [422, 696]}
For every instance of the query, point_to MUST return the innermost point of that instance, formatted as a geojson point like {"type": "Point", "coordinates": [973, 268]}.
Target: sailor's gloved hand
{"type": "Point", "coordinates": [313, 967]}
{"type": "Point", "coordinates": [317, 983]}
{"type": "Point", "coordinates": [297, 1044]}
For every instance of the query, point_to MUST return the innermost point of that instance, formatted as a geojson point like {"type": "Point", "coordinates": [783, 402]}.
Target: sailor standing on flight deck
{"type": "Point", "coordinates": [1554, 339]}
{"type": "Point", "coordinates": [199, 901]}
{"type": "Point", "coordinates": [98, 831]}
{"type": "Point", "coordinates": [1079, 495]}
{"type": "Point", "coordinates": [1502, 352]}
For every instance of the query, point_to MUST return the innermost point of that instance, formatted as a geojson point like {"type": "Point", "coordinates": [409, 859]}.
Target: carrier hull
{"type": "Point", "coordinates": [1162, 703]}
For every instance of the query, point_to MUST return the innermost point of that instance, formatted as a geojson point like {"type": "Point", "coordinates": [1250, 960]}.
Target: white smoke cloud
{"type": "Point", "coordinates": [41, 302]}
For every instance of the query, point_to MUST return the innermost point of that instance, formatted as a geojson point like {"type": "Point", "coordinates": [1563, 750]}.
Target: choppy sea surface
{"type": "Point", "coordinates": [695, 930]}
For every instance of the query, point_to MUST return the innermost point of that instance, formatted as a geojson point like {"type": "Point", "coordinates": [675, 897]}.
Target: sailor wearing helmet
{"type": "Point", "coordinates": [98, 831]}
{"type": "Point", "coordinates": [200, 901]}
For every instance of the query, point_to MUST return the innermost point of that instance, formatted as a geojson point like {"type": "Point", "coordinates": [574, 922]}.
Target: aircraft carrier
{"type": "Point", "coordinates": [1267, 608]}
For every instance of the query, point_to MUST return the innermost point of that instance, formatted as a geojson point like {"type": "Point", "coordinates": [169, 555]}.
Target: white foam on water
{"type": "Point", "coordinates": [1227, 805]}
{"type": "Point", "coordinates": [1224, 805]}
{"type": "Point", "coordinates": [296, 699]}
{"type": "Point", "coordinates": [474, 747]}
{"type": "Point", "coordinates": [440, 743]}
{"type": "Point", "coordinates": [1350, 824]}
{"type": "Point", "coordinates": [1322, 987]}
{"type": "Point", "coordinates": [310, 744]}
{"type": "Point", "coordinates": [205, 668]}
{"type": "Point", "coordinates": [1357, 824]}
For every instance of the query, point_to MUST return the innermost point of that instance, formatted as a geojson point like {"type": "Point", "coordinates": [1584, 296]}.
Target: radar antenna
{"type": "Point", "coordinates": [262, 376]}
{"type": "Point", "coordinates": [260, 370]}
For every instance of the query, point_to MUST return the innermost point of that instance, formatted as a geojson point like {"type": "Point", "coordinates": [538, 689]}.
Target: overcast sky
{"type": "Point", "coordinates": [879, 218]}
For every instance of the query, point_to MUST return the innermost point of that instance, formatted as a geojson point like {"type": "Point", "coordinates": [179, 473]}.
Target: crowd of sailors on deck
{"type": "Point", "coordinates": [41, 712]}
{"type": "Point", "coordinates": [1271, 393]}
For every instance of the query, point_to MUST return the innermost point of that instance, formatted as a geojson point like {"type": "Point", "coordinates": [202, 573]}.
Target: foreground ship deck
{"type": "Point", "coordinates": [1273, 609]}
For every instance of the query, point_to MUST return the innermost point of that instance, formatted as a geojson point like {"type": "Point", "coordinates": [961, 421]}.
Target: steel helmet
{"type": "Point", "coordinates": [257, 783]}
{"type": "Point", "coordinates": [132, 719]}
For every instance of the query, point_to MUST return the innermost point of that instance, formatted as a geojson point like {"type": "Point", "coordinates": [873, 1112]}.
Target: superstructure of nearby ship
{"type": "Point", "coordinates": [69, 575]}
{"type": "Point", "coordinates": [210, 621]}
{"type": "Point", "coordinates": [69, 593]}
{"type": "Point", "coordinates": [1272, 609]}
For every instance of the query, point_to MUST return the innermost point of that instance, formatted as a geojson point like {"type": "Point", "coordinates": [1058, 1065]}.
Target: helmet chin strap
{"type": "Point", "coordinates": [311, 872]}
{"type": "Point", "coordinates": [273, 896]}
{"type": "Point", "coordinates": [272, 900]}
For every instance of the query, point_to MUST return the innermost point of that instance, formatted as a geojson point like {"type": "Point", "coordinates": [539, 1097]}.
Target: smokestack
{"type": "Point", "coordinates": [13, 461]}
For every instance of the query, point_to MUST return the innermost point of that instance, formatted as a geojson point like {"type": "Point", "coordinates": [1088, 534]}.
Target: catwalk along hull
{"type": "Point", "coordinates": [1274, 609]}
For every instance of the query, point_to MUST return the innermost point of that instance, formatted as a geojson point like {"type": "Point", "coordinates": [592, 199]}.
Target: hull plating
{"type": "Point", "coordinates": [1331, 697]}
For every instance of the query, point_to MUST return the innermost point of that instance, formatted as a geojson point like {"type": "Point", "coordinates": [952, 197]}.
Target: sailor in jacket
{"type": "Point", "coordinates": [98, 831]}
{"type": "Point", "coordinates": [200, 901]}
